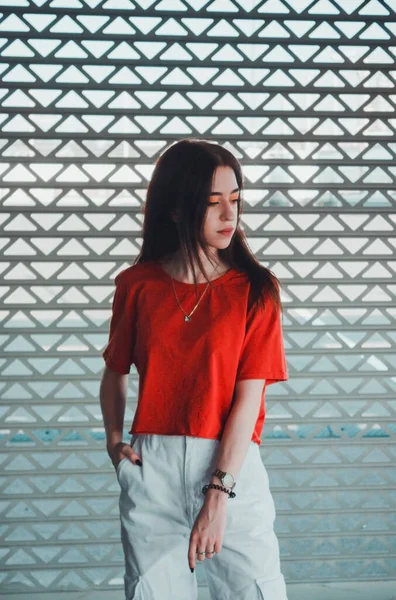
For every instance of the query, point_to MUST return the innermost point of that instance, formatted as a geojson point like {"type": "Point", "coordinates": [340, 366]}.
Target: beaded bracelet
{"type": "Point", "coordinates": [217, 487]}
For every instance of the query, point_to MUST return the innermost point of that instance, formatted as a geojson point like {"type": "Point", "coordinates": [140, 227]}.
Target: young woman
{"type": "Point", "coordinates": [201, 319]}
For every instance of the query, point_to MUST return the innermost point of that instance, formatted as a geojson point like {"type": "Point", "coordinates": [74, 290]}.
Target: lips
{"type": "Point", "coordinates": [228, 230]}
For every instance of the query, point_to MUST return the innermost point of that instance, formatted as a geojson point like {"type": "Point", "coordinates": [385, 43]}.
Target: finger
{"type": "Point", "coordinates": [215, 546]}
{"type": "Point", "coordinates": [133, 457]}
{"type": "Point", "coordinates": [191, 554]}
{"type": "Point", "coordinates": [201, 547]}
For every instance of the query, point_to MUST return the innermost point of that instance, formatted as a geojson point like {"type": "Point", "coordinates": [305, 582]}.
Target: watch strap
{"type": "Point", "coordinates": [218, 473]}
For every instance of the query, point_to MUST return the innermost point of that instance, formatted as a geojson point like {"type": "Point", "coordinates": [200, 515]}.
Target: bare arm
{"type": "Point", "coordinates": [237, 434]}
{"type": "Point", "coordinates": [113, 394]}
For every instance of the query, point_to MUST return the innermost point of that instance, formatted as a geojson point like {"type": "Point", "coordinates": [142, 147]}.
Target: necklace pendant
{"type": "Point", "coordinates": [187, 318]}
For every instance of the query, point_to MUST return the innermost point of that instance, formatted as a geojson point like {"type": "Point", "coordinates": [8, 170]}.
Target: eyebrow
{"type": "Point", "coordinates": [220, 194]}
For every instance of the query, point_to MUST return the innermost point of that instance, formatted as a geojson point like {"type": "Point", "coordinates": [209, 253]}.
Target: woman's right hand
{"type": "Point", "coordinates": [123, 450]}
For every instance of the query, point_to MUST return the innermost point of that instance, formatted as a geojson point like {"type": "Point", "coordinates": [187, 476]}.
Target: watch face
{"type": "Point", "coordinates": [228, 480]}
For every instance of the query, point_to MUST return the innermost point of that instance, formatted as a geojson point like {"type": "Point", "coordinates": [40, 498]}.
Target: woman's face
{"type": "Point", "coordinates": [222, 209]}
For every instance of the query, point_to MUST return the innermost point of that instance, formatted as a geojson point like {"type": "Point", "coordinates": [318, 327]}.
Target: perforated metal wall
{"type": "Point", "coordinates": [303, 92]}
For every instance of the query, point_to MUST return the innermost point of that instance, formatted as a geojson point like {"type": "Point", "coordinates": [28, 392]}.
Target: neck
{"type": "Point", "coordinates": [178, 270]}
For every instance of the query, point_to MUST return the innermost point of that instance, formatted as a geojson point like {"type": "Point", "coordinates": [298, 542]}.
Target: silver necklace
{"type": "Point", "coordinates": [186, 316]}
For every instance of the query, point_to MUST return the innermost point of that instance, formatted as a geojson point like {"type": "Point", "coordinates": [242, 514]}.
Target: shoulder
{"type": "Point", "coordinates": [133, 274]}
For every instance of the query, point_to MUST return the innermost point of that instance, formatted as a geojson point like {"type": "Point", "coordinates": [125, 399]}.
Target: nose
{"type": "Point", "coordinates": [228, 217]}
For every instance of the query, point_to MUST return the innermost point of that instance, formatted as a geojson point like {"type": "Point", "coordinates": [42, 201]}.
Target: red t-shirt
{"type": "Point", "coordinates": [188, 370]}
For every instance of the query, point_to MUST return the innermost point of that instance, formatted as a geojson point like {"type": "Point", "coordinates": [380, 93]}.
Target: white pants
{"type": "Point", "coordinates": [159, 503]}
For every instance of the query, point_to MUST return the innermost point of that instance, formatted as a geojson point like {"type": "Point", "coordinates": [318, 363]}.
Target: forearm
{"type": "Point", "coordinates": [234, 444]}
{"type": "Point", "coordinates": [113, 393]}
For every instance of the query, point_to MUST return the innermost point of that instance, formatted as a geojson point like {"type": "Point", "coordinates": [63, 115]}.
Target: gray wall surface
{"type": "Point", "coordinates": [303, 92]}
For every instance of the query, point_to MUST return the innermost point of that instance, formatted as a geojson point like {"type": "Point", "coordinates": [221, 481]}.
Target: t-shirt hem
{"type": "Point", "coordinates": [156, 432]}
{"type": "Point", "coordinates": [268, 378]}
{"type": "Point", "coordinates": [153, 432]}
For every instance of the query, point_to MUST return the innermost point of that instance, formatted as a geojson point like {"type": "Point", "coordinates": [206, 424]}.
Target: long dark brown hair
{"type": "Point", "coordinates": [181, 185]}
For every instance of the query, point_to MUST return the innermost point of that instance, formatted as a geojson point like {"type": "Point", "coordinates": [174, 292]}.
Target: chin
{"type": "Point", "coordinates": [221, 246]}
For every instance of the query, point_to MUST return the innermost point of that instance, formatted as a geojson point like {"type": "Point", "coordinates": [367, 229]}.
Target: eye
{"type": "Point", "coordinates": [214, 203]}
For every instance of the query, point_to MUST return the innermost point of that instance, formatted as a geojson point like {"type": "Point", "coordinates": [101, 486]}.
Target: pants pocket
{"type": "Point", "coordinates": [126, 469]}
{"type": "Point", "coordinates": [273, 589]}
{"type": "Point", "coordinates": [133, 588]}
{"type": "Point", "coordinates": [120, 465]}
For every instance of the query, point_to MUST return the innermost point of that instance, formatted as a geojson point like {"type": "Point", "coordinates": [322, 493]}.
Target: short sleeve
{"type": "Point", "coordinates": [263, 354]}
{"type": "Point", "coordinates": [118, 354]}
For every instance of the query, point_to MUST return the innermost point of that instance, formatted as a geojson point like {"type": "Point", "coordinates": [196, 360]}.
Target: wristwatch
{"type": "Point", "coordinates": [227, 479]}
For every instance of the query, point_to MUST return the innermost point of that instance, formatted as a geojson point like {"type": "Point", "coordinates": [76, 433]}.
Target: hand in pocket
{"type": "Point", "coordinates": [123, 450]}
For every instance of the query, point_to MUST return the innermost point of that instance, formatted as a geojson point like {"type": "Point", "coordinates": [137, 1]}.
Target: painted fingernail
{"type": "Point", "coordinates": [192, 570]}
{"type": "Point", "coordinates": [138, 462]}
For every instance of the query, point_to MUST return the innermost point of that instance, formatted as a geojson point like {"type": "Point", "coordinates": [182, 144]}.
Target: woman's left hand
{"type": "Point", "coordinates": [208, 531]}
